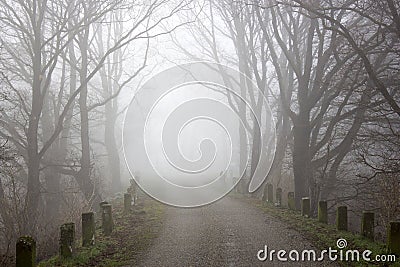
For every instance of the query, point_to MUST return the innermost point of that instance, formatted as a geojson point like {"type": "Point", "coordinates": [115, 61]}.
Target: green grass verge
{"type": "Point", "coordinates": [133, 233]}
{"type": "Point", "coordinates": [323, 235]}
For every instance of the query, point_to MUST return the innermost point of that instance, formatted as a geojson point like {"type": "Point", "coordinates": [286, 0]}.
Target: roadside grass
{"type": "Point", "coordinates": [133, 233]}
{"type": "Point", "coordinates": [323, 235]}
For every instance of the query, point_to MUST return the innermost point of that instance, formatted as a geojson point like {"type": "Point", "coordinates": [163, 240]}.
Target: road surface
{"type": "Point", "coordinates": [229, 232]}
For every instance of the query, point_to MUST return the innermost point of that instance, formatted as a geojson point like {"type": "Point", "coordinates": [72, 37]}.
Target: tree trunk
{"type": "Point", "coordinates": [301, 158]}
{"type": "Point", "coordinates": [83, 176]}
{"type": "Point", "coordinates": [33, 164]}
{"type": "Point", "coordinates": [112, 149]}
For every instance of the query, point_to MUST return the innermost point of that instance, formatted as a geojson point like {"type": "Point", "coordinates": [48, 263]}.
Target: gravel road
{"type": "Point", "coordinates": [229, 232]}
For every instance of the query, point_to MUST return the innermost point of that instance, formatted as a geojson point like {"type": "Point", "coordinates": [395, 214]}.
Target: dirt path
{"type": "Point", "coordinates": [227, 233]}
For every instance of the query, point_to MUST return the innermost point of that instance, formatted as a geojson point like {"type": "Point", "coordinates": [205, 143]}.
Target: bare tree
{"type": "Point", "coordinates": [383, 21]}
{"type": "Point", "coordinates": [35, 36]}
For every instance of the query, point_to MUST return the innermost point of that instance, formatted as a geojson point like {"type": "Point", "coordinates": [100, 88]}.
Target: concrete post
{"type": "Point", "coordinates": [393, 238]}
{"type": "Point", "coordinates": [341, 218]}
{"type": "Point", "coordinates": [107, 220]}
{"type": "Point", "coordinates": [305, 207]}
{"type": "Point", "coordinates": [291, 202]}
{"type": "Point", "coordinates": [101, 205]}
{"type": "Point", "coordinates": [25, 252]}
{"type": "Point", "coordinates": [127, 202]}
{"type": "Point", "coordinates": [265, 193]}
{"type": "Point", "coordinates": [279, 197]}
{"type": "Point", "coordinates": [270, 194]}
{"type": "Point", "coordinates": [67, 240]}
{"type": "Point", "coordinates": [367, 224]}
{"type": "Point", "coordinates": [88, 229]}
{"type": "Point", "coordinates": [323, 211]}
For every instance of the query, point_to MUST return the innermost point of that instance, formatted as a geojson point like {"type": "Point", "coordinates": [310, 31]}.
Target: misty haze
{"type": "Point", "coordinates": [199, 133]}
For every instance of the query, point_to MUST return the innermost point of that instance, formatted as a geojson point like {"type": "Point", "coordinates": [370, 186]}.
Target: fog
{"type": "Point", "coordinates": [188, 152]}
{"type": "Point", "coordinates": [191, 102]}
